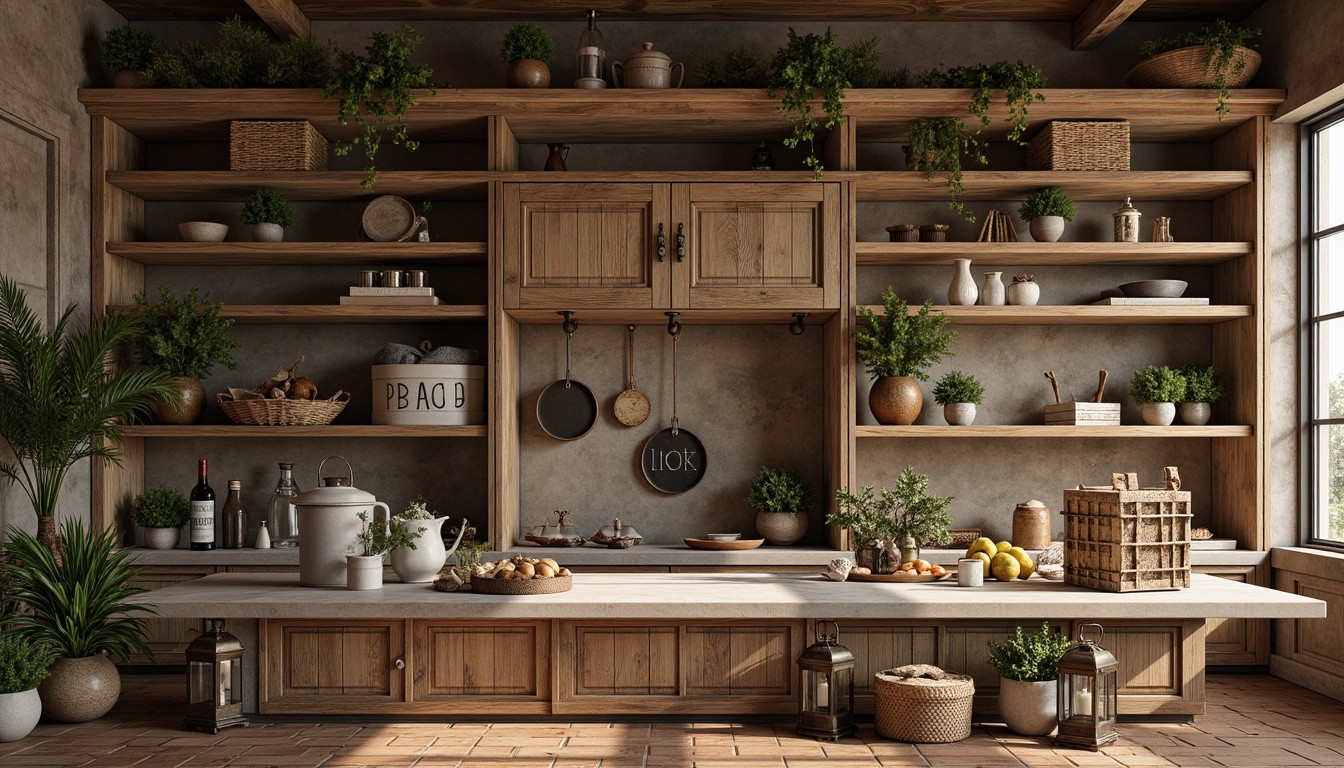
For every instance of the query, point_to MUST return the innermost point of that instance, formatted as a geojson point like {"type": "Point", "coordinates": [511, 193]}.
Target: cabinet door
{"type": "Point", "coordinates": [756, 246]}
{"type": "Point", "coordinates": [347, 668]}
{"type": "Point", "coordinates": [584, 246]}
{"type": "Point", "coordinates": [1235, 642]}
{"type": "Point", "coordinates": [168, 638]}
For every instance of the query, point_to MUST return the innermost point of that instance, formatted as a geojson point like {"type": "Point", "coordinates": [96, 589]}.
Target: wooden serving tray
{"type": "Point", "coordinates": [724, 546]}
{"type": "Point", "coordinates": [522, 586]}
{"type": "Point", "coordinates": [900, 577]}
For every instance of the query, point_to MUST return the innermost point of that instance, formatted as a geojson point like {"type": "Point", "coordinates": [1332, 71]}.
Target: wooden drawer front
{"type": "Point", "coordinates": [612, 661]}
{"type": "Point", "coordinates": [738, 661]}
{"type": "Point", "coordinates": [356, 660]}
{"type": "Point", "coordinates": [168, 638]}
{"type": "Point", "coordinates": [1235, 641]}
{"type": "Point", "coordinates": [455, 660]}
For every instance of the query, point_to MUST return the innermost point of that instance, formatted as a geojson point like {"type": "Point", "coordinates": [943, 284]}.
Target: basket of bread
{"type": "Point", "coordinates": [521, 575]}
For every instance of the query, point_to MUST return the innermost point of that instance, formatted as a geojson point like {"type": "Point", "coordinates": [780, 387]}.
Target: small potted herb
{"type": "Point", "coordinates": [23, 665]}
{"type": "Point", "coordinates": [1027, 667]}
{"type": "Point", "coordinates": [1158, 389]}
{"type": "Point", "coordinates": [186, 340]}
{"type": "Point", "coordinates": [900, 517]}
{"type": "Point", "coordinates": [733, 68]}
{"type": "Point", "coordinates": [364, 563]}
{"type": "Point", "coordinates": [1046, 210]}
{"type": "Point", "coordinates": [128, 52]}
{"type": "Point", "coordinates": [269, 213]}
{"type": "Point", "coordinates": [782, 499]}
{"type": "Point", "coordinates": [162, 512]}
{"type": "Point", "coordinates": [1214, 57]}
{"type": "Point", "coordinates": [1203, 388]}
{"type": "Point", "coordinates": [528, 49]}
{"type": "Point", "coordinates": [898, 347]}
{"type": "Point", "coordinates": [959, 393]}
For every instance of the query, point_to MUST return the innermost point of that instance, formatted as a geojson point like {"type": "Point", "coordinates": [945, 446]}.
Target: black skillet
{"type": "Point", "coordinates": [566, 409]}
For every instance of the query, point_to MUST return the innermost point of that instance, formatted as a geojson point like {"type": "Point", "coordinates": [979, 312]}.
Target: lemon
{"type": "Point", "coordinates": [982, 557]}
{"type": "Point", "coordinates": [1024, 560]}
{"type": "Point", "coordinates": [982, 544]}
{"type": "Point", "coordinates": [1004, 546]}
{"type": "Point", "coordinates": [1005, 567]}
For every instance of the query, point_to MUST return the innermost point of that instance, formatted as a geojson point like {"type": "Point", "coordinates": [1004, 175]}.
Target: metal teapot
{"type": "Point", "coordinates": [329, 524]}
{"type": "Point", "coordinates": [646, 68]}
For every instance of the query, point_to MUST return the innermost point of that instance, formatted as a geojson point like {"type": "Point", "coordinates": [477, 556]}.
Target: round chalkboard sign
{"type": "Point", "coordinates": [673, 460]}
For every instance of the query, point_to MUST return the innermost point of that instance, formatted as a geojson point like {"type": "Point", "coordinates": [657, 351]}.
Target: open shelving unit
{"type": "Point", "coordinates": [297, 254]}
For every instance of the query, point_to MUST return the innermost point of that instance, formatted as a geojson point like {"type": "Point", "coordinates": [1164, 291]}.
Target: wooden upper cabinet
{"type": "Point", "coordinates": [671, 246]}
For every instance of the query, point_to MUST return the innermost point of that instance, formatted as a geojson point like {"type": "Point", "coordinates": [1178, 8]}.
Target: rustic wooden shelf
{"type": "Point", "coordinates": [687, 316]}
{"type": "Point", "coordinates": [1049, 254]}
{"type": "Point", "coordinates": [1079, 185]}
{"type": "Point", "coordinates": [328, 431]}
{"type": "Point", "coordinates": [1087, 314]}
{"type": "Point", "coordinates": [175, 186]}
{"type": "Point", "coordinates": [1048, 431]}
{"type": "Point", "coordinates": [332, 314]}
{"type": "Point", "coordinates": [297, 254]}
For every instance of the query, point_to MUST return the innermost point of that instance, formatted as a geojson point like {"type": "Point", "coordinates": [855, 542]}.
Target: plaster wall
{"type": "Point", "coordinates": [1301, 43]}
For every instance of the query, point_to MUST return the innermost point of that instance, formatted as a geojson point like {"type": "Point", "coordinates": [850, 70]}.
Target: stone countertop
{"type": "Point", "coordinates": [725, 596]}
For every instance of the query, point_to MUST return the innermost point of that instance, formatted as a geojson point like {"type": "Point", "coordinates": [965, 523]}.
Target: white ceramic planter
{"type": "Point", "coordinates": [1028, 709]}
{"type": "Point", "coordinates": [1046, 229]}
{"type": "Point", "coordinates": [162, 538]}
{"type": "Point", "coordinates": [266, 232]}
{"type": "Point", "coordinates": [363, 573]}
{"type": "Point", "coordinates": [1159, 414]}
{"type": "Point", "coordinates": [19, 713]}
{"type": "Point", "coordinates": [781, 529]}
{"type": "Point", "coordinates": [1195, 414]}
{"type": "Point", "coordinates": [959, 414]}
{"type": "Point", "coordinates": [1024, 294]}
{"type": "Point", "coordinates": [428, 394]}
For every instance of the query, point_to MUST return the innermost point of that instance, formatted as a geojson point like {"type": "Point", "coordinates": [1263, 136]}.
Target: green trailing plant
{"type": "Point", "coordinates": [907, 509]}
{"type": "Point", "coordinates": [527, 41]}
{"type": "Point", "coordinates": [375, 90]}
{"type": "Point", "coordinates": [958, 387]}
{"type": "Point", "coordinates": [1048, 201]}
{"type": "Point", "coordinates": [79, 605]}
{"type": "Point", "coordinates": [160, 507]}
{"type": "Point", "coordinates": [126, 47]}
{"type": "Point", "coordinates": [23, 664]}
{"type": "Point", "coordinates": [733, 68]}
{"type": "Point", "coordinates": [898, 343]}
{"type": "Point", "coordinates": [1157, 384]}
{"type": "Point", "coordinates": [937, 145]}
{"type": "Point", "coordinates": [302, 62]}
{"type": "Point", "coordinates": [1021, 83]}
{"type": "Point", "coordinates": [1220, 43]}
{"type": "Point", "coordinates": [779, 490]}
{"type": "Point", "coordinates": [1202, 384]}
{"type": "Point", "coordinates": [268, 206]}
{"type": "Point", "coordinates": [1030, 658]}
{"type": "Point", "coordinates": [60, 402]}
{"type": "Point", "coordinates": [187, 338]}
{"type": "Point", "coordinates": [807, 66]}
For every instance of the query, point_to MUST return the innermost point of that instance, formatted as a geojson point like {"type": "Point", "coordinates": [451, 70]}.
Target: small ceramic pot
{"type": "Point", "coordinates": [1159, 414]}
{"type": "Point", "coordinates": [19, 713]}
{"type": "Point", "coordinates": [528, 73]}
{"type": "Point", "coordinates": [162, 538]}
{"type": "Point", "coordinates": [203, 231]}
{"type": "Point", "coordinates": [781, 529]}
{"type": "Point", "coordinates": [1046, 229]}
{"type": "Point", "coordinates": [80, 690]}
{"type": "Point", "coordinates": [959, 414]}
{"type": "Point", "coordinates": [1024, 294]}
{"type": "Point", "coordinates": [129, 78]}
{"type": "Point", "coordinates": [896, 400]}
{"type": "Point", "coordinates": [267, 232]}
{"type": "Point", "coordinates": [363, 573]}
{"type": "Point", "coordinates": [646, 68]}
{"type": "Point", "coordinates": [1195, 414]}
{"type": "Point", "coordinates": [1028, 708]}
{"type": "Point", "coordinates": [189, 400]}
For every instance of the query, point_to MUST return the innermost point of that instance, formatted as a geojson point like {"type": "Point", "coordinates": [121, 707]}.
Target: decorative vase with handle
{"type": "Point", "coordinates": [422, 564]}
{"type": "Point", "coordinates": [556, 160]}
{"type": "Point", "coordinates": [962, 292]}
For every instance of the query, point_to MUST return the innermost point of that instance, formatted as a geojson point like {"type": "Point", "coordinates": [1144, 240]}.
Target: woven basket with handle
{"type": "Point", "coordinates": [282, 413]}
{"type": "Point", "coordinates": [922, 704]}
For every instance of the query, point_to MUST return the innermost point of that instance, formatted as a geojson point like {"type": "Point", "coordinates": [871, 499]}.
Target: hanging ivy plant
{"type": "Point", "coordinates": [938, 144]}
{"type": "Point", "coordinates": [1020, 82]}
{"type": "Point", "coordinates": [1220, 44]}
{"type": "Point", "coordinates": [810, 65]}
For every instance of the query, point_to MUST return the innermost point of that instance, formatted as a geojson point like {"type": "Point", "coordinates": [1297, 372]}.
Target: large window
{"type": "Point", "coordinates": [1324, 222]}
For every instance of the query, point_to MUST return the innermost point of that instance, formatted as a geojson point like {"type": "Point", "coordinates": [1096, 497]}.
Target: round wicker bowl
{"type": "Point", "coordinates": [282, 413]}
{"type": "Point", "coordinates": [522, 586]}
{"type": "Point", "coordinates": [922, 704]}
{"type": "Point", "coordinates": [1185, 68]}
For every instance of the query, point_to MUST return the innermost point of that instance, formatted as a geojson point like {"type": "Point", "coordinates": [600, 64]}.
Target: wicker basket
{"type": "Point", "coordinates": [921, 703]}
{"type": "Point", "coordinates": [276, 145]}
{"type": "Point", "coordinates": [1185, 68]}
{"type": "Point", "coordinates": [282, 413]}
{"type": "Point", "coordinates": [1068, 145]}
{"type": "Point", "coordinates": [522, 586]}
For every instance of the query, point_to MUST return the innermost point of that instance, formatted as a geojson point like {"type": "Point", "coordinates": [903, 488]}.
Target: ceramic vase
{"type": "Point", "coordinates": [992, 292]}
{"type": "Point", "coordinates": [266, 232]}
{"type": "Point", "coordinates": [422, 564]}
{"type": "Point", "coordinates": [781, 529]}
{"type": "Point", "coordinates": [962, 292]}
{"type": "Point", "coordinates": [19, 713]}
{"type": "Point", "coordinates": [190, 401]}
{"type": "Point", "coordinates": [1195, 414]}
{"type": "Point", "coordinates": [959, 414]}
{"type": "Point", "coordinates": [1028, 708]}
{"type": "Point", "coordinates": [1159, 414]}
{"type": "Point", "coordinates": [896, 399]}
{"type": "Point", "coordinates": [363, 573]}
{"type": "Point", "coordinates": [162, 538]}
{"type": "Point", "coordinates": [1046, 229]}
{"type": "Point", "coordinates": [80, 690]}
{"type": "Point", "coordinates": [527, 73]}
{"type": "Point", "coordinates": [1024, 294]}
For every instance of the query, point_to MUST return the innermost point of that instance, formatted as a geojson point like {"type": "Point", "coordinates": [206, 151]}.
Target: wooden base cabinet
{"type": "Point", "coordinates": [467, 667]}
{"type": "Point", "coordinates": [1236, 642]}
{"type": "Point", "coordinates": [355, 667]}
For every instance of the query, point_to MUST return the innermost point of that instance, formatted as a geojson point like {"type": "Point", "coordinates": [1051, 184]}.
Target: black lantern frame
{"type": "Point", "coordinates": [826, 680]}
{"type": "Point", "coordinates": [214, 680]}
{"type": "Point", "coordinates": [1088, 693]}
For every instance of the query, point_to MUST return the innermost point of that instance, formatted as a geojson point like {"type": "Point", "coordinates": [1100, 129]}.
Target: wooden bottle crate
{"type": "Point", "coordinates": [1122, 540]}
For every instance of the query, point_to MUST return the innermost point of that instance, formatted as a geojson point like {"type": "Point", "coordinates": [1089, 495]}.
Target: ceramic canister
{"type": "Point", "coordinates": [646, 68]}
{"type": "Point", "coordinates": [1031, 525]}
{"type": "Point", "coordinates": [329, 526]}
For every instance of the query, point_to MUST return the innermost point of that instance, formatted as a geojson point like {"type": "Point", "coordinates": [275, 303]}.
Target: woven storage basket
{"type": "Point", "coordinates": [276, 145]}
{"type": "Point", "coordinates": [282, 413]}
{"type": "Point", "coordinates": [1185, 68]}
{"type": "Point", "coordinates": [921, 703]}
{"type": "Point", "coordinates": [1067, 145]}
{"type": "Point", "coordinates": [522, 586]}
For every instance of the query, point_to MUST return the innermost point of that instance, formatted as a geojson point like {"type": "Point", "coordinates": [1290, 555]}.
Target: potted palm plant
{"type": "Point", "coordinates": [59, 401]}
{"type": "Point", "coordinates": [1157, 389]}
{"type": "Point", "coordinates": [186, 339]}
{"type": "Point", "coordinates": [528, 49]}
{"type": "Point", "coordinates": [782, 499]}
{"type": "Point", "coordinates": [23, 665]}
{"type": "Point", "coordinates": [78, 606]}
{"type": "Point", "coordinates": [1203, 388]}
{"type": "Point", "coordinates": [959, 393]}
{"type": "Point", "coordinates": [1045, 211]}
{"type": "Point", "coordinates": [898, 349]}
{"type": "Point", "coordinates": [1027, 667]}
{"type": "Point", "coordinates": [162, 512]}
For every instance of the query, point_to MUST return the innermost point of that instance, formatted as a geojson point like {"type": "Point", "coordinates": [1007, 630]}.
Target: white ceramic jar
{"type": "Point", "coordinates": [970, 572]}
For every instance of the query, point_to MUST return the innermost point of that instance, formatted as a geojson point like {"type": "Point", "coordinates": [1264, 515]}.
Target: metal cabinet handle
{"type": "Point", "coordinates": [662, 243]}
{"type": "Point", "coordinates": [400, 662]}
{"type": "Point", "coordinates": [681, 242]}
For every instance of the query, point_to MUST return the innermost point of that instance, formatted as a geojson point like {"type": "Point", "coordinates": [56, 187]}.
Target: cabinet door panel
{"type": "Point", "coordinates": [349, 667]}
{"type": "Point", "coordinates": [459, 660]}
{"type": "Point", "coordinates": [1235, 641]}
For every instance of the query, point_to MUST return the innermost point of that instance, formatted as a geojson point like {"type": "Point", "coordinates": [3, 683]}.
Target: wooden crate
{"type": "Point", "coordinates": [276, 145]}
{"type": "Point", "coordinates": [1079, 414]}
{"type": "Point", "coordinates": [1121, 540]}
{"type": "Point", "coordinates": [1077, 145]}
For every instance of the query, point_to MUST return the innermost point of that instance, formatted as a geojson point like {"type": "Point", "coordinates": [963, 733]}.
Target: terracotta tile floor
{"type": "Point", "coordinates": [1252, 720]}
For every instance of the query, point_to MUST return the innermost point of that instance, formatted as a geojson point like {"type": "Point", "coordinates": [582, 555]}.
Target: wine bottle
{"type": "Point", "coordinates": [235, 519]}
{"type": "Point", "coordinates": [202, 511]}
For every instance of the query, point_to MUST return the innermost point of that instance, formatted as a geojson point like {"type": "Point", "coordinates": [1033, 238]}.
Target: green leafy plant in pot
{"type": "Point", "coordinates": [897, 518]}
{"type": "Point", "coordinates": [187, 340]}
{"type": "Point", "coordinates": [128, 52]}
{"type": "Point", "coordinates": [1157, 389]}
{"type": "Point", "coordinates": [898, 348]}
{"type": "Point", "coordinates": [1028, 668]}
{"type": "Point", "coordinates": [528, 49]}
{"type": "Point", "coordinates": [269, 213]}
{"type": "Point", "coordinates": [23, 666]}
{"type": "Point", "coordinates": [782, 500]}
{"type": "Point", "coordinates": [959, 393]}
{"type": "Point", "coordinates": [377, 537]}
{"type": "Point", "coordinates": [78, 606]}
{"type": "Point", "coordinates": [1045, 212]}
{"type": "Point", "coordinates": [161, 511]}
{"type": "Point", "coordinates": [1203, 388]}
{"type": "Point", "coordinates": [1217, 57]}
{"type": "Point", "coordinates": [60, 402]}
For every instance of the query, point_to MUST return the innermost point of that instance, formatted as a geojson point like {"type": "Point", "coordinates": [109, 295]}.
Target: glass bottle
{"type": "Point", "coordinates": [592, 56]}
{"type": "Point", "coordinates": [235, 519]}
{"type": "Point", "coordinates": [283, 517]}
{"type": "Point", "coordinates": [202, 511]}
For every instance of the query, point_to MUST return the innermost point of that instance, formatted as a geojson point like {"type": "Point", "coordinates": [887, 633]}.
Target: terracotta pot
{"type": "Point", "coordinates": [19, 713]}
{"type": "Point", "coordinates": [896, 400]}
{"type": "Point", "coordinates": [129, 78]}
{"type": "Point", "coordinates": [162, 538]}
{"type": "Point", "coordinates": [190, 398]}
{"type": "Point", "coordinates": [80, 690]}
{"type": "Point", "coordinates": [528, 73]}
{"type": "Point", "coordinates": [781, 528]}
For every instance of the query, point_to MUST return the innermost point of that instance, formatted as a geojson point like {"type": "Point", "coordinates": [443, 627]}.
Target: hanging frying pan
{"type": "Point", "coordinates": [566, 409]}
{"type": "Point", "coordinates": [673, 459]}
{"type": "Point", "coordinates": [631, 406]}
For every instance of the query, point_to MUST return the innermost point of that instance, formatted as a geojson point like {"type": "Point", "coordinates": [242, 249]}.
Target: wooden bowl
{"type": "Point", "coordinates": [899, 577]}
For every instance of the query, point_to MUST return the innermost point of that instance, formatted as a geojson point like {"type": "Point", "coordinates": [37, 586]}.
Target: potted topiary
{"type": "Point", "coordinates": [269, 213]}
{"type": "Point", "coordinates": [782, 500]}
{"type": "Point", "coordinates": [898, 348]}
{"type": "Point", "coordinates": [77, 606]}
{"type": "Point", "coordinates": [1157, 389]}
{"type": "Point", "coordinates": [162, 512]}
{"type": "Point", "coordinates": [128, 52]}
{"type": "Point", "coordinates": [23, 665]}
{"type": "Point", "coordinates": [1214, 57]}
{"type": "Point", "coordinates": [1046, 210]}
{"type": "Point", "coordinates": [528, 49]}
{"type": "Point", "coordinates": [959, 393]}
{"type": "Point", "coordinates": [887, 529]}
{"type": "Point", "coordinates": [1027, 667]}
{"type": "Point", "coordinates": [185, 340]}
{"type": "Point", "coordinates": [1203, 388]}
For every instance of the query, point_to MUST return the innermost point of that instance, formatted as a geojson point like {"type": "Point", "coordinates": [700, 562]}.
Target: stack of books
{"type": "Point", "coordinates": [391, 296]}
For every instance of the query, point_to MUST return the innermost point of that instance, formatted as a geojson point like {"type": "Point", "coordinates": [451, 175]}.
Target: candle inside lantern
{"type": "Point", "coordinates": [225, 682]}
{"type": "Point", "coordinates": [824, 693]}
{"type": "Point", "coordinates": [1082, 702]}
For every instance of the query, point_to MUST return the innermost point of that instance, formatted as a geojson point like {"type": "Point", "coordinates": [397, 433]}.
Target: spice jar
{"type": "Point", "coordinates": [1031, 525]}
{"type": "Point", "coordinates": [1127, 223]}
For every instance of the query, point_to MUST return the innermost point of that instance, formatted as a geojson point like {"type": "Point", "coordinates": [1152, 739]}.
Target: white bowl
{"type": "Point", "coordinates": [723, 536]}
{"type": "Point", "coordinates": [203, 231]}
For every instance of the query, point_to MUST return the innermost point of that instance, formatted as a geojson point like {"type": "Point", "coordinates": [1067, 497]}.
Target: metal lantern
{"type": "Point", "coordinates": [826, 708]}
{"type": "Point", "coordinates": [214, 680]}
{"type": "Point", "coordinates": [1088, 693]}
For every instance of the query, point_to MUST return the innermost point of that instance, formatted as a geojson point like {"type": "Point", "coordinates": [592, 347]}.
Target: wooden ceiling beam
{"type": "Point", "coordinates": [282, 16]}
{"type": "Point", "coordinates": [1099, 20]}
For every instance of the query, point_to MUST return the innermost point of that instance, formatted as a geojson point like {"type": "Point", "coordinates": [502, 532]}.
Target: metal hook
{"type": "Point", "coordinates": [673, 327]}
{"type": "Point", "coordinates": [570, 325]}
{"type": "Point", "coordinates": [796, 327]}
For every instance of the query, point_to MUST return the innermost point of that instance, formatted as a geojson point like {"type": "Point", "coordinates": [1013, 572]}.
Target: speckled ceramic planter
{"type": "Point", "coordinates": [781, 528]}
{"type": "Point", "coordinates": [1195, 414]}
{"type": "Point", "coordinates": [527, 73]}
{"type": "Point", "coordinates": [266, 232]}
{"type": "Point", "coordinates": [162, 538]}
{"type": "Point", "coordinates": [1159, 414]}
{"type": "Point", "coordinates": [80, 690]}
{"type": "Point", "coordinates": [190, 397]}
{"type": "Point", "coordinates": [959, 414]}
{"type": "Point", "coordinates": [1046, 229]}
{"type": "Point", "coordinates": [19, 713]}
{"type": "Point", "coordinates": [896, 400]}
